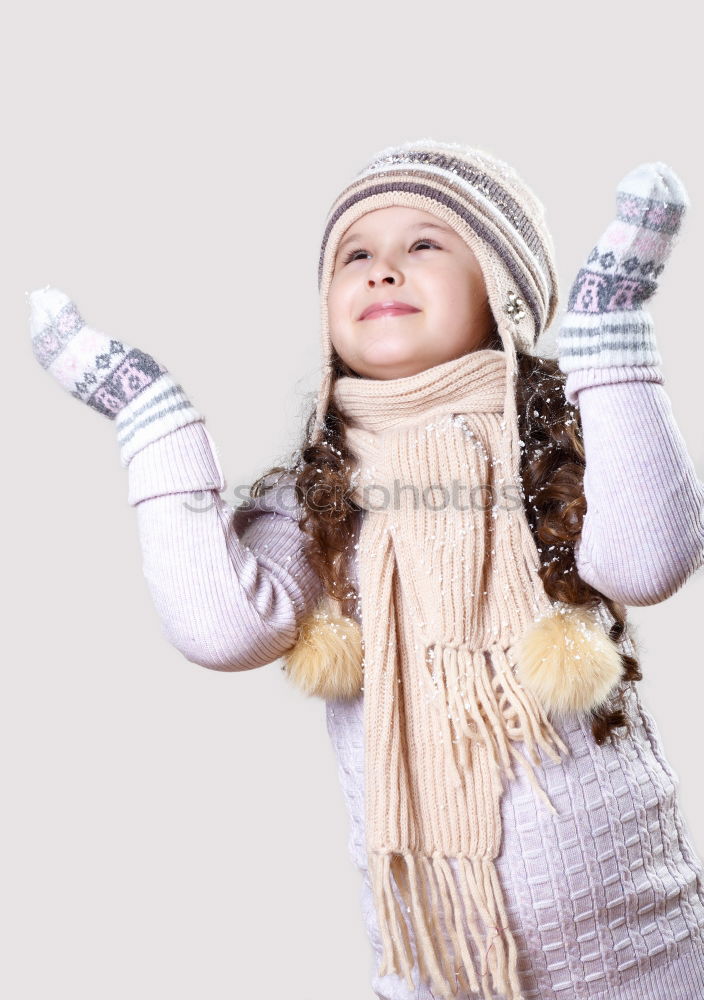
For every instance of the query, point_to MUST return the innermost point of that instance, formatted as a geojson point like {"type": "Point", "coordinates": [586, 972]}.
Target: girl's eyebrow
{"type": "Point", "coordinates": [355, 238]}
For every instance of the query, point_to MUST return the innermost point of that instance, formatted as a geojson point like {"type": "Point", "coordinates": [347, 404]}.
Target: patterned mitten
{"type": "Point", "coordinates": [605, 323]}
{"type": "Point", "coordinates": [120, 381]}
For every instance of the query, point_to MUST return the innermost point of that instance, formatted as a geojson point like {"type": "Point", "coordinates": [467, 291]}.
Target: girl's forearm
{"type": "Point", "coordinates": [229, 588]}
{"type": "Point", "coordinates": [643, 533]}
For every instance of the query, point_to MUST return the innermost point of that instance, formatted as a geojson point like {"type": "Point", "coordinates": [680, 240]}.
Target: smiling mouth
{"type": "Point", "coordinates": [391, 311]}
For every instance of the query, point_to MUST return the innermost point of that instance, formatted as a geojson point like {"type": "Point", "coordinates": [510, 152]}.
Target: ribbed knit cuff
{"type": "Point", "coordinates": [161, 408]}
{"type": "Point", "coordinates": [607, 339]}
{"type": "Point", "coordinates": [583, 378]}
{"type": "Point", "coordinates": [183, 461]}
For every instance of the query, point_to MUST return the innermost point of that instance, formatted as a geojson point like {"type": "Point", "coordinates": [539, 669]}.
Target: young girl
{"type": "Point", "coordinates": [447, 562]}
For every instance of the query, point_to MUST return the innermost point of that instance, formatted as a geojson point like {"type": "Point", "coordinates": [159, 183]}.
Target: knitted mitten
{"type": "Point", "coordinates": [605, 323]}
{"type": "Point", "coordinates": [120, 381]}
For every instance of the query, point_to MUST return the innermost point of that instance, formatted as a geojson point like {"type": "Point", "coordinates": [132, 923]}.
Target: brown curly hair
{"type": "Point", "coordinates": [552, 474]}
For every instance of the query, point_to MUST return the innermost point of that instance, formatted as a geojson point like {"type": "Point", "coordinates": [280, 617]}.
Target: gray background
{"type": "Point", "coordinates": [168, 830]}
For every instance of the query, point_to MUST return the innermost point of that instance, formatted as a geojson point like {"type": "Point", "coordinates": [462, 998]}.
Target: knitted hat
{"type": "Point", "coordinates": [485, 201]}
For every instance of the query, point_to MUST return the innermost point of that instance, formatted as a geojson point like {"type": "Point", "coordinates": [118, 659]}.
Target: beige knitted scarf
{"type": "Point", "coordinates": [448, 583]}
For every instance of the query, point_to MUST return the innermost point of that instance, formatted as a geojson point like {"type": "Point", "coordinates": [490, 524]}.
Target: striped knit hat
{"type": "Point", "coordinates": [485, 201]}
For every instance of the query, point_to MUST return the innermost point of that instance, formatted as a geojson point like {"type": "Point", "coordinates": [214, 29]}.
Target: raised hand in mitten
{"type": "Point", "coordinates": [117, 380]}
{"type": "Point", "coordinates": [605, 323]}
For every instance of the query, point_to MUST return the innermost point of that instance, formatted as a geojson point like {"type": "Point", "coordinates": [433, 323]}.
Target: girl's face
{"type": "Point", "coordinates": [401, 254]}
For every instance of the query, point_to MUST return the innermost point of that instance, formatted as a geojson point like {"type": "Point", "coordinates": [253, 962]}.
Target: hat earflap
{"type": "Point", "coordinates": [568, 661]}
{"type": "Point", "coordinates": [327, 660]}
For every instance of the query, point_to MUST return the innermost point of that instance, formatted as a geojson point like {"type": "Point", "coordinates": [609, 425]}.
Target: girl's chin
{"type": "Point", "coordinates": [389, 351]}
{"type": "Point", "coordinates": [396, 366]}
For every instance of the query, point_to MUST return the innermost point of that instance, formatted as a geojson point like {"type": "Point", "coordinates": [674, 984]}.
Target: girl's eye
{"type": "Point", "coordinates": [353, 253]}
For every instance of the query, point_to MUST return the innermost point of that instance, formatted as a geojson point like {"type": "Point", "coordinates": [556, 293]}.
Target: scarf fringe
{"type": "Point", "coordinates": [477, 691]}
{"type": "Point", "coordinates": [478, 699]}
{"type": "Point", "coordinates": [433, 894]}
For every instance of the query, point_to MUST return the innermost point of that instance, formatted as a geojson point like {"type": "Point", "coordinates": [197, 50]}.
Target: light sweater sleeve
{"type": "Point", "coordinates": [229, 584]}
{"type": "Point", "coordinates": [643, 532]}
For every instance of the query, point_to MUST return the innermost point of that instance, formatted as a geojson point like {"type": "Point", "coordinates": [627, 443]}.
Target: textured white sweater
{"type": "Point", "coordinates": [606, 899]}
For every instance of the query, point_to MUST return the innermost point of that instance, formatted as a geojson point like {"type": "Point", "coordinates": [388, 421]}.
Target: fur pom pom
{"type": "Point", "coordinates": [327, 658]}
{"type": "Point", "coordinates": [568, 661]}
